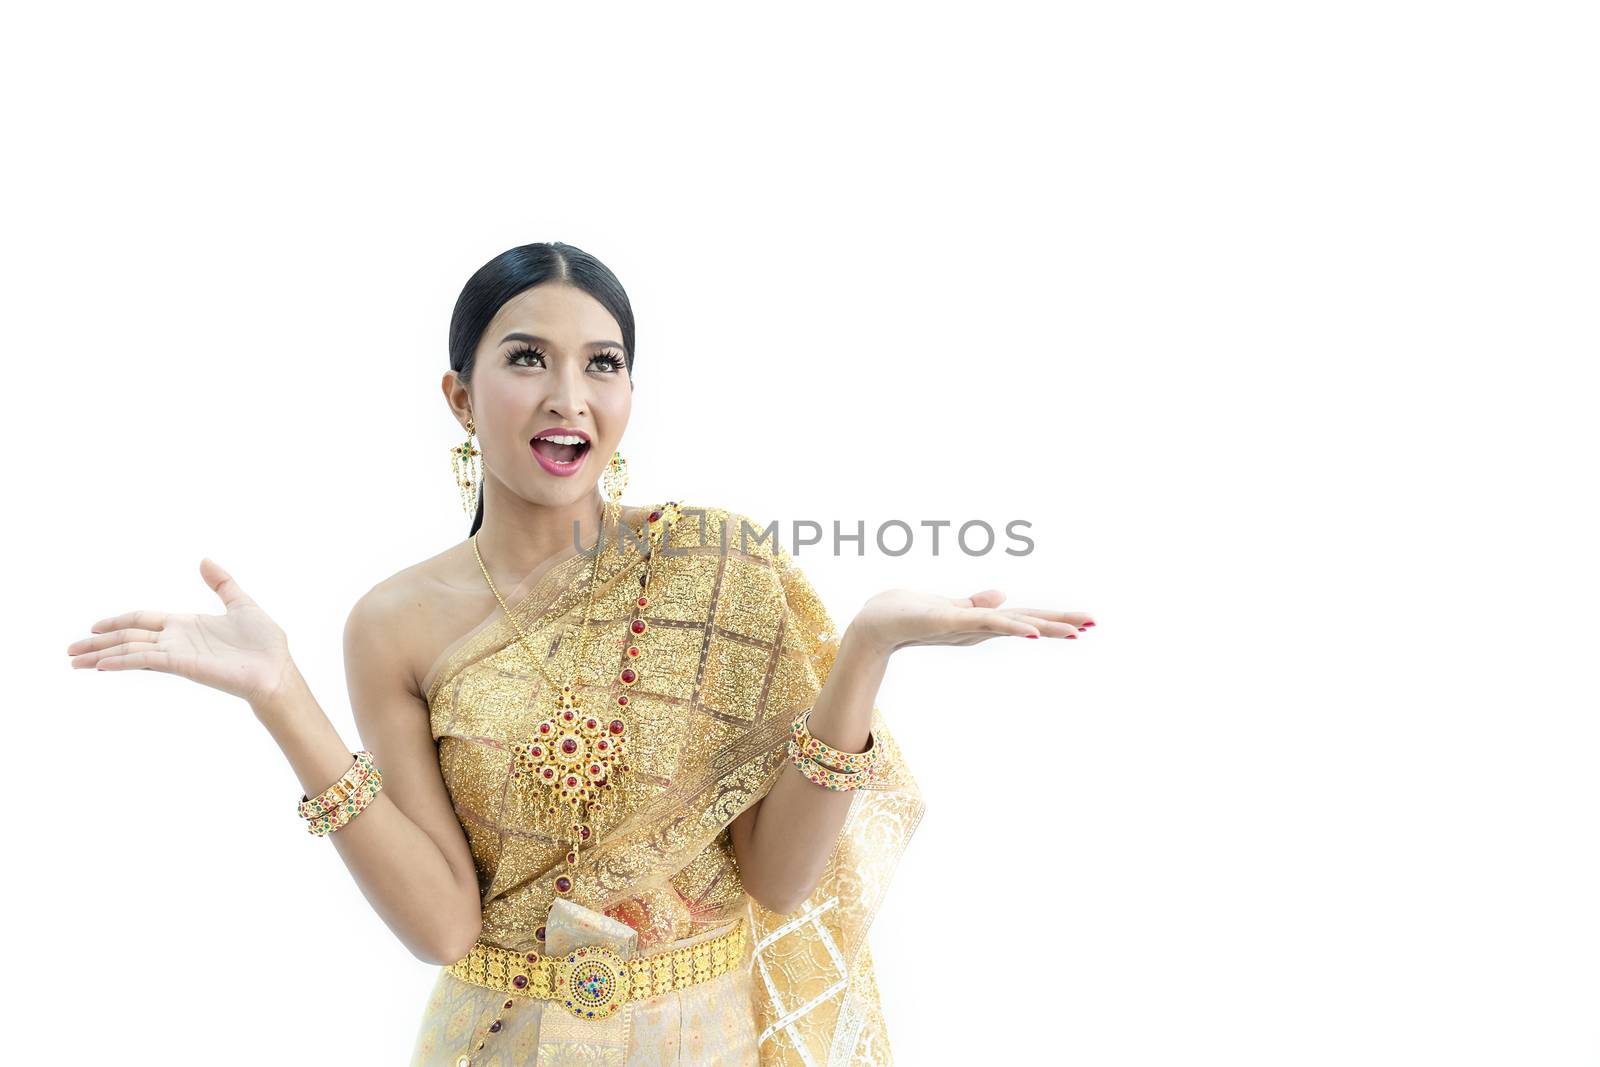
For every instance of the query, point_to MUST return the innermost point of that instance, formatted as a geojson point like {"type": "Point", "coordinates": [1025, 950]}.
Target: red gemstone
{"type": "Point", "coordinates": [617, 726]}
{"type": "Point", "coordinates": [654, 515]}
{"type": "Point", "coordinates": [568, 715]}
{"type": "Point", "coordinates": [536, 751]}
{"type": "Point", "coordinates": [643, 603]}
{"type": "Point", "coordinates": [539, 933]}
{"type": "Point", "coordinates": [569, 746]}
{"type": "Point", "coordinates": [563, 885]}
{"type": "Point", "coordinates": [595, 768]}
{"type": "Point", "coordinates": [628, 675]}
{"type": "Point", "coordinates": [572, 857]}
{"type": "Point", "coordinates": [591, 723]}
{"type": "Point", "coordinates": [583, 833]}
{"type": "Point", "coordinates": [520, 981]}
{"type": "Point", "coordinates": [549, 773]}
{"type": "Point", "coordinates": [533, 957]}
{"type": "Point", "coordinates": [602, 744]}
{"type": "Point", "coordinates": [544, 728]}
{"type": "Point", "coordinates": [633, 650]}
{"type": "Point", "coordinates": [572, 780]}
{"type": "Point", "coordinates": [638, 626]}
{"type": "Point", "coordinates": [623, 700]}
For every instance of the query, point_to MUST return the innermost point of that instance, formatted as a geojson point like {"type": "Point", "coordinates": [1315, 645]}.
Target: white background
{"type": "Point", "coordinates": [1274, 320]}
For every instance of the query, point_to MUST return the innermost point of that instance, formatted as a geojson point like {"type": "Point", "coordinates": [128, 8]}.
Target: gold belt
{"type": "Point", "coordinates": [593, 981]}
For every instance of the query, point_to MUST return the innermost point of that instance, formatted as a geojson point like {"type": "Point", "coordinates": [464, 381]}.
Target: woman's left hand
{"type": "Point", "coordinates": [896, 618]}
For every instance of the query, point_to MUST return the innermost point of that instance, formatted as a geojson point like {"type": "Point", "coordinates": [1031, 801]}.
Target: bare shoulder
{"type": "Point", "coordinates": [412, 615]}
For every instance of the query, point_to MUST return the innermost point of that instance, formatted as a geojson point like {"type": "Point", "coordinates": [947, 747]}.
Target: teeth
{"type": "Point", "coordinates": [561, 438]}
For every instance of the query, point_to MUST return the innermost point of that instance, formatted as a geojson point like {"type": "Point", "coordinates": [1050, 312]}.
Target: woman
{"type": "Point", "coordinates": [622, 776]}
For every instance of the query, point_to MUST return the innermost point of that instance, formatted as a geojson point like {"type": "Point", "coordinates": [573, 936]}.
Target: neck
{"type": "Point", "coordinates": [518, 537]}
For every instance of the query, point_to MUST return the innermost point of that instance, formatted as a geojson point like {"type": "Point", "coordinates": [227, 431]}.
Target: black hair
{"type": "Point", "coordinates": [518, 269]}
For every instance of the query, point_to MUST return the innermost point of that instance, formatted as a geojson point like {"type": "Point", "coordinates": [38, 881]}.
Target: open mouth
{"type": "Point", "coordinates": [562, 450]}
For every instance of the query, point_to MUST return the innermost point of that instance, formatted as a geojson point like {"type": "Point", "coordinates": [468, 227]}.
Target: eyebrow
{"type": "Point", "coordinates": [533, 338]}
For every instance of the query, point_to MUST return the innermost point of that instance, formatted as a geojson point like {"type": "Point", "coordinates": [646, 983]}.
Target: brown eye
{"type": "Point", "coordinates": [512, 357]}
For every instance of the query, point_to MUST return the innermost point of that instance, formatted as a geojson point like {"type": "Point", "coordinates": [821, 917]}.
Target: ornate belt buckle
{"type": "Point", "coordinates": [591, 981]}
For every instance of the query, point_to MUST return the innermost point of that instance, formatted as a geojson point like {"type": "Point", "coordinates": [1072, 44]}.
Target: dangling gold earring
{"type": "Point", "coordinates": [613, 482]}
{"type": "Point", "coordinates": [468, 474]}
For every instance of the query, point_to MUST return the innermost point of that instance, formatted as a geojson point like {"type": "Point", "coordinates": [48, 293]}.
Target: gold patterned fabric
{"type": "Point", "coordinates": [738, 645]}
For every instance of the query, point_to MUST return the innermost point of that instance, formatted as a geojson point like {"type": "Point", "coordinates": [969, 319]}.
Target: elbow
{"type": "Point", "coordinates": [779, 901]}
{"type": "Point", "coordinates": [773, 886]}
{"type": "Point", "coordinates": [456, 942]}
{"type": "Point", "coordinates": [447, 953]}
{"type": "Point", "coordinates": [785, 906]}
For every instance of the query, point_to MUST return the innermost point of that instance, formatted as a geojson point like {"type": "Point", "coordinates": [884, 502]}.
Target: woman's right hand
{"type": "Point", "coordinates": [242, 652]}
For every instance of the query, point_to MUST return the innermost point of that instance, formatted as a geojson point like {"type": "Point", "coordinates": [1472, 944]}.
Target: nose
{"type": "Point", "coordinates": [566, 393]}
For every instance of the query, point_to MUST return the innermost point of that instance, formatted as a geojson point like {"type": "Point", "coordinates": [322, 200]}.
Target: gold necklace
{"type": "Point", "coordinates": [583, 639]}
{"type": "Point", "coordinates": [576, 757]}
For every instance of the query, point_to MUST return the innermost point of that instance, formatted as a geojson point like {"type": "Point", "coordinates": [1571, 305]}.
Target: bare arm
{"type": "Point", "coordinates": [406, 850]}
{"type": "Point", "coordinates": [782, 842]}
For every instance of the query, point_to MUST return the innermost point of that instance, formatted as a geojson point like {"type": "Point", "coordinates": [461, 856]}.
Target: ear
{"type": "Point", "coordinates": [456, 395]}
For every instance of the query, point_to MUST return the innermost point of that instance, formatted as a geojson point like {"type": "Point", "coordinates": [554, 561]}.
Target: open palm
{"type": "Point", "coordinates": [242, 652]}
{"type": "Point", "coordinates": [897, 618]}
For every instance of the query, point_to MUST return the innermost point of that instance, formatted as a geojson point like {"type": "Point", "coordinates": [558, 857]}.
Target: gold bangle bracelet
{"type": "Point", "coordinates": [815, 748]}
{"type": "Point", "coordinates": [323, 825]}
{"type": "Point", "coordinates": [348, 784]}
{"type": "Point", "coordinates": [840, 781]}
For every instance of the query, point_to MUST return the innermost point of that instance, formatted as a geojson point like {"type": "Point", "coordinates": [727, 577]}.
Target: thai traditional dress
{"type": "Point", "coordinates": [735, 645]}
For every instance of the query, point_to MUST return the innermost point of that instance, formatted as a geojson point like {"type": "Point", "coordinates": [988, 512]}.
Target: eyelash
{"type": "Point", "coordinates": [613, 358]}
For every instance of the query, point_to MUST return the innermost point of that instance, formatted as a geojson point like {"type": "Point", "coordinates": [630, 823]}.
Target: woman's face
{"type": "Point", "coordinates": [551, 360]}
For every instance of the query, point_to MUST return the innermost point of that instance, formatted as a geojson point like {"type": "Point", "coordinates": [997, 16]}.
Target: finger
{"type": "Point", "coordinates": [989, 598]}
{"type": "Point", "coordinates": [222, 583]}
{"type": "Point", "coordinates": [135, 659]}
{"type": "Point", "coordinates": [144, 620]}
{"type": "Point", "coordinates": [1076, 618]}
{"type": "Point", "coordinates": [106, 640]}
{"type": "Point", "coordinates": [1047, 627]}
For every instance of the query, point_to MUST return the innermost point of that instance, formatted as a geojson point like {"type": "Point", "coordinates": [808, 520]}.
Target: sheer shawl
{"type": "Point", "coordinates": [738, 644]}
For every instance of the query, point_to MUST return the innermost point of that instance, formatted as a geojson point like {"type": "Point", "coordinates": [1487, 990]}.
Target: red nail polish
{"type": "Point", "coordinates": [1072, 637]}
{"type": "Point", "coordinates": [1086, 625]}
{"type": "Point", "coordinates": [1030, 635]}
